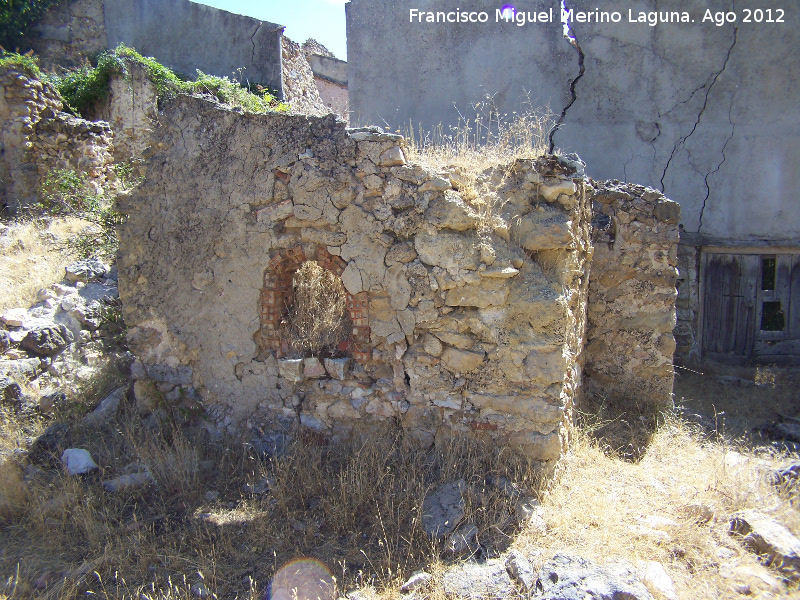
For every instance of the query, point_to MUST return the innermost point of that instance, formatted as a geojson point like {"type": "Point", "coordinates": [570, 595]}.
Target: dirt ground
{"type": "Point", "coordinates": [739, 400]}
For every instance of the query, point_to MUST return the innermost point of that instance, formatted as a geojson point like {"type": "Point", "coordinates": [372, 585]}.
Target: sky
{"type": "Point", "coordinates": [322, 20]}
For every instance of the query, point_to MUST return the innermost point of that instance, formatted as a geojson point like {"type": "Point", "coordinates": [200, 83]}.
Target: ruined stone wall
{"type": "Point", "coordinates": [688, 304]}
{"type": "Point", "coordinates": [61, 141]}
{"type": "Point", "coordinates": [38, 137]}
{"type": "Point", "coordinates": [330, 76]}
{"type": "Point", "coordinates": [463, 320]}
{"type": "Point", "coordinates": [630, 343]}
{"type": "Point", "coordinates": [131, 109]}
{"type": "Point", "coordinates": [299, 88]}
{"type": "Point", "coordinates": [335, 97]}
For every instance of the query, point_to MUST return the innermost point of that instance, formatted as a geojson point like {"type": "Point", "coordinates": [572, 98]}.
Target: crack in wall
{"type": "Point", "coordinates": [252, 41]}
{"type": "Point", "coordinates": [709, 86]}
{"type": "Point", "coordinates": [569, 34]}
{"type": "Point", "coordinates": [719, 166]}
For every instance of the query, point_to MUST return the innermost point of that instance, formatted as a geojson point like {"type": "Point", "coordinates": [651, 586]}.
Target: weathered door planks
{"type": "Point", "coordinates": [733, 306]}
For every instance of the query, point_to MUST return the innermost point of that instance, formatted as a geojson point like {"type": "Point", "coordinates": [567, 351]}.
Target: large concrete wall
{"type": "Point", "coordinates": [183, 35]}
{"type": "Point", "coordinates": [187, 36]}
{"type": "Point", "coordinates": [427, 73]}
{"type": "Point", "coordinates": [708, 114]}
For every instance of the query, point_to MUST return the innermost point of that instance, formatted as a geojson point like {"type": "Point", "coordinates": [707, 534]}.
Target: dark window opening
{"type": "Point", "coordinates": [768, 275]}
{"type": "Point", "coordinates": [772, 318]}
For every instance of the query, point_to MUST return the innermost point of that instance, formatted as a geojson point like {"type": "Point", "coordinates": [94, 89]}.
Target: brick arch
{"type": "Point", "coordinates": [277, 290]}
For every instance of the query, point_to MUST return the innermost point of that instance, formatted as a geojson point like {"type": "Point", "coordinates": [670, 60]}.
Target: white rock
{"type": "Point", "coordinates": [78, 461]}
{"type": "Point", "coordinates": [15, 317]}
{"type": "Point", "coordinates": [417, 579]}
{"type": "Point", "coordinates": [291, 369]}
{"type": "Point", "coordinates": [351, 279]}
{"type": "Point", "coordinates": [654, 573]}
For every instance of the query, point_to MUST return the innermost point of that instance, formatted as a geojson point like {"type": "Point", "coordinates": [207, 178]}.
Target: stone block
{"type": "Point", "coordinates": [338, 368]}
{"type": "Point", "coordinates": [447, 250]}
{"type": "Point", "coordinates": [479, 296]}
{"type": "Point", "coordinates": [291, 369]}
{"type": "Point", "coordinates": [312, 368]}
{"type": "Point", "coordinates": [392, 157]}
{"type": "Point", "coordinates": [462, 361]}
{"type": "Point", "coordinates": [544, 228]}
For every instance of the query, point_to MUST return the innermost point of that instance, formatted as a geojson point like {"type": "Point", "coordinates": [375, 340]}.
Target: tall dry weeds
{"type": "Point", "coordinates": [483, 139]}
{"type": "Point", "coordinates": [317, 319]}
{"type": "Point", "coordinates": [32, 258]}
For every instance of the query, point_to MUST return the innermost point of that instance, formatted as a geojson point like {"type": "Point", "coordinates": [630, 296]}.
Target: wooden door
{"type": "Point", "coordinates": [778, 334]}
{"type": "Point", "coordinates": [729, 311]}
{"type": "Point", "coordinates": [751, 305]}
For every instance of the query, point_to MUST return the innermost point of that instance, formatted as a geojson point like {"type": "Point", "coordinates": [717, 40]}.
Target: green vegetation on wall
{"type": "Point", "coordinates": [82, 88]}
{"type": "Point", "coordinates": [16, 17]}
{"type": "Point", "coordinates": [21, 62]}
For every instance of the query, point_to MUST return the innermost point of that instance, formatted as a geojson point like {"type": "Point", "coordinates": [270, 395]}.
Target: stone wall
{"type": "Point", "coordinates": [38, 137]}
{"type": "Point", "coordinates": [632, 294]}
{"type": "Point", "coordinates": [69, 32]}
{"type": "Point", "coordinates": [463, 320]}
{"type": "Point", "coordinates": [299, 88]}
{"type": "Point", "coordinates": [330, 77]}
{"type": "Point", "coordinates": [335, 97]}
{"type": "Point", "coordinates": [131, 109]}
{"type": "Point", "coordinates": [688, 304]}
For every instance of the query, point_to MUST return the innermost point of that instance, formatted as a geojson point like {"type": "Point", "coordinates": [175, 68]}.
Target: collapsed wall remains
{"type": "Point", "coordinates": [632, 296]}
{"type": "Point", "coordinates": [461, 321]}
{"type": "Point", "coordinates": [37, 137]}
{"type": "Point", "coordinates": [467, 298]}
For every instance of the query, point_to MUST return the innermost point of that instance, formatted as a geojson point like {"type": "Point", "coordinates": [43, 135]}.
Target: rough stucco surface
{"type": "Point", "coordinates": [632, 294]}
{"type": "Point", "coordinates": [706, 114]}
{"type": "Point", "coordinates": [474, 325]}
{"type": "Point", "coordinates": [37, 138]}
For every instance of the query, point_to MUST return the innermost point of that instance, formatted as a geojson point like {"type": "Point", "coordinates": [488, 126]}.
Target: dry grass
{"type": "Point", "coordinates": [609, 509]}
{"type": "Point", "coordinates": [479, 149]}
{"type": "Point", "coordinates": [32, 258]}
{"type": "Point", "coordinates": [487, 139]}
{"type": "Point", "coordinates": [356, 509]}
{"type": "Point", "coordinates": [317, 318]}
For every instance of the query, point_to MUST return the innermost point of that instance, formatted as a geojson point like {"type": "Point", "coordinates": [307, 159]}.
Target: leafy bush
{"type": "Point", "coordinates": [67, 193]}
{"type": "Point", "coordinates": [22, 62]}
{"type": "Point", "coordinates": [84, 87]}
{"type": "Point", "coordinates": [16, 17]}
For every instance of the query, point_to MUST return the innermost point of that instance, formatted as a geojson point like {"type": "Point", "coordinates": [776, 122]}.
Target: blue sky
{"type": "Point", "coordinates": [321, 19]}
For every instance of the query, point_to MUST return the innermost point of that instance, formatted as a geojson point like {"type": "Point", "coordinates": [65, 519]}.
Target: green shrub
{"type": "Point", "coordinates": [17, 16]}
{"type": "Point", "coordinates": [21, 62]}
{"type": "Point", "coordinates": [67, 193]}
{"type": "Point", "coordinates": [84, 87]}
